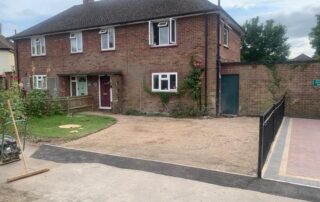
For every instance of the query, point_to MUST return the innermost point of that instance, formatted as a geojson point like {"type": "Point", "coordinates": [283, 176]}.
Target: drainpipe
{"type": "Point", "coordinates": [206, 65]}
{"type": "Point", "coordinates": [218, 66]}
{"type": "Point", "coordinates": [17, 60]}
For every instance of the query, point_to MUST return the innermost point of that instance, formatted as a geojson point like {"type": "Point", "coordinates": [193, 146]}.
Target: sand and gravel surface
{"type": "Point", "coordinates": [223, 144]}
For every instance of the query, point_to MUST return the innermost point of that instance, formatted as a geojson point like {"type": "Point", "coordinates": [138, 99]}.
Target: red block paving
{"type": "Point", "coordinates": [304, 150]}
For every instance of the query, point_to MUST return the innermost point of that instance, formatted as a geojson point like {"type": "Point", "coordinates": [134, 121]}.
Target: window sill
{"type": "Point", "coordinates": [76, 53]}
{"type": "Point", "coordinates": [108, 50]}
{"type": "Point", "coordinates": [164, 46]}
{"type": "Point", "coordinates": [34, 56]}
{"type": "Point", "coordinates": [226, 46]}
{"type": "Point", "coordinates": [164, 91]}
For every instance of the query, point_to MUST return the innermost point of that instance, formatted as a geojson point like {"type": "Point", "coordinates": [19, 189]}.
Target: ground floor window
{"type": "Point", "coordinates": [165, 82]}
{"type": "Point", "coordinates": [40, 82]}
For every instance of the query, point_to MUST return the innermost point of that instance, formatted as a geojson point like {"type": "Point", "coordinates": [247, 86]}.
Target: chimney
{"type": "Point", "coordinates": [87, 1]}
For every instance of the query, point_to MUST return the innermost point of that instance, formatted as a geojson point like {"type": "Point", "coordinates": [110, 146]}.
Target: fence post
{"type": "Point", "coordinates": [68, 105]}
{"type": "Point", "coordinates": [261, 131]}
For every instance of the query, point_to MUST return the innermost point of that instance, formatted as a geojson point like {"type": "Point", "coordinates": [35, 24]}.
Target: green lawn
{"type": "Point", "coordinates": [48, 127]}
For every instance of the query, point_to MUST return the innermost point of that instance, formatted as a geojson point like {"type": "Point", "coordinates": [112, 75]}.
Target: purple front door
{"type": "Point", "coordinates": [105, 94]}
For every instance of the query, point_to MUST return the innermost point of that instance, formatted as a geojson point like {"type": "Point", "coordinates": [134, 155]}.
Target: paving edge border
{"type": "Point", "coordinates": [67, 155]}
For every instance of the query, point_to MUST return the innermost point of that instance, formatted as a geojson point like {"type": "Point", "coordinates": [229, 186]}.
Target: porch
{"type": "Point", "coordinates": [104, 90]}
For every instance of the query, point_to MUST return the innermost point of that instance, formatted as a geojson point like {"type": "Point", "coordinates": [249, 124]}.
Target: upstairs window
{"type": "Point", "coordinates": [38, 46]}
{"type": "Point", "coordinates": [76, 42]}
{"type": "Point", "coordinates": [40, 82]}
{"type": "Point", "coordinates": [226, 36]}
{"type": "Point", "coordinates": [107, 39]}
{"type": "Point", "coordinates": [163, 33]}
{"type": "Point", "coordinates": [165, 82]}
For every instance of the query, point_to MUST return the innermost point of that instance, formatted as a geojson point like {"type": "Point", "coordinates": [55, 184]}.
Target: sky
{"type": "Point", "coordinates": [297, 15]}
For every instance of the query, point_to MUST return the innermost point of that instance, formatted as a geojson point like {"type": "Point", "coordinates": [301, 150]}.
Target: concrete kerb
{"type": "Point", "coordinates": [67, 155]}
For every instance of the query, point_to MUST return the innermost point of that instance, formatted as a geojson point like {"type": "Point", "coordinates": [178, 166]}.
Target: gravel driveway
{"type": "Point", "coordinates": [224, 144]}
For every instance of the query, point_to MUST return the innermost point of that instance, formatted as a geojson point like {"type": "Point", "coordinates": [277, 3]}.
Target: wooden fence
{"type": "Point", "coordinates": [72, 104]}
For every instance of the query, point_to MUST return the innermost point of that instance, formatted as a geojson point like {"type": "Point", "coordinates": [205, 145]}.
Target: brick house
{"type": "Point", "coordinates": [110, 49]}
{"type": "Point", "coordinates": [7, 62]}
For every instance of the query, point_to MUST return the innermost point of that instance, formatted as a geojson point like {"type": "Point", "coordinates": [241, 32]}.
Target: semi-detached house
{"type": "Point", "coordinates": [111, 49]}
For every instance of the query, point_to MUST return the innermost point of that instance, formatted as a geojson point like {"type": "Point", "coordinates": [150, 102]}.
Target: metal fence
{"type": "Point", "coordinates": [270, 123]}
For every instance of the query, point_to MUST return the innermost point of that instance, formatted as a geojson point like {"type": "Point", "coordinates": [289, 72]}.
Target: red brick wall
{"type": "Point", "coordinates": [232, 52]}
{"type": "Point", "coordinates": [133, 57]}
{"type": "Point", "coordinates": [295, 81]}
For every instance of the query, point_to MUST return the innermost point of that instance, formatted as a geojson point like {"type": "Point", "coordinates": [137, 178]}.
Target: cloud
{"type": "Point", "coordinates": [22, 14]}
{"type": "Point", "coordinates": [299, 46]}
{"type": "Point", "coordinates": [298, 16]}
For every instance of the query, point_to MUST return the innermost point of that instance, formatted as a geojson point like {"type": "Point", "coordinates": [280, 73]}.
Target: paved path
{"type": "Point", "coordinates": [99, 182]}
{"type": "Point", "coordinates": [295, 155]}
{"type": "Point", "coordinates": [246, 183]}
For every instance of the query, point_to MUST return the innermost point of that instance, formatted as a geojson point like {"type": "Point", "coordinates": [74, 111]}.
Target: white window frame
{"type": "Point", "coordinates": [36, 79]}
{"type": "Point", "coordinates": [42, 43]}
{"type": "Point", "coordinates": [76, 80]}
{"type": "Point", "coordinates": [226, 31]}
{"type": "Point", "coordinates": [172, 26]}
{"type": "Point", "coordinates": [106, 32]}
{"type": "Point", "coordinates": [79, 40]}
{"type": "Point", "coordinates": [168, 79]}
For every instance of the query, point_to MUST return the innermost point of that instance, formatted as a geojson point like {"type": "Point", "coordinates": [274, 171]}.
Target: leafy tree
{"type": "Point", "coordinates": [264, 42]}
{"type": "Point", "coordinates": [315, 38]}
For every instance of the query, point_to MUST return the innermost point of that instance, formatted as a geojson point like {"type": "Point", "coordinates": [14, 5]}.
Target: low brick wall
{"type": "Point", "coordinates": [260, 86]}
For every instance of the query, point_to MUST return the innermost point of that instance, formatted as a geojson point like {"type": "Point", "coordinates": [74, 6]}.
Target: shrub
{"type": "Point", "coordinates": [186, 112]}
{"type": "Point", "coordinates": [134, 112]}
{"type": "Point", "coordinates": [18, 106]}
{"type": "Point", "coordinates": [38, 104]}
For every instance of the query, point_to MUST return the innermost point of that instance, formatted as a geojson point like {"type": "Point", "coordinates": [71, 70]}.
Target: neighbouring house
{"type": "Point", "coordinates": [302, 57]}
{"type": "Point", "coordinates": [7, 62]}
{"type": "Point", "coordinates": [112, 49]}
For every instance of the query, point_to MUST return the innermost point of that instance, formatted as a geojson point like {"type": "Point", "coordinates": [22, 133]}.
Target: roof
{"type": "Point", "coordinates": [5, 44]}
{"type": "Point", "coordinates": [302, 57]}
{"type": "Point", "coordinates": [114, 12]}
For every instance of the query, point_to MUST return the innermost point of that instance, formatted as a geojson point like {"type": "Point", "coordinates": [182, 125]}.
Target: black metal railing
{"type": "Point", "coordinates": [270, 123]}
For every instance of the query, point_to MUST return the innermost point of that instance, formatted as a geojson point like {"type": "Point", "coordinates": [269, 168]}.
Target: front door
{"type": "Point", "coordinates": [230, 94]}
{"type": "Point", "coordinates": [105, 93]}
{"type": "Point", "coordinates": [82, 86]}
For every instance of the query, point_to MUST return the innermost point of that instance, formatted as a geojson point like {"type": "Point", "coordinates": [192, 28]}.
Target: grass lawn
{"type": "Point", "coordinates": [48, 127]}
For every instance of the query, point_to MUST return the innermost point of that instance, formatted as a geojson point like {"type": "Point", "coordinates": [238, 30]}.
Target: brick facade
{"type": "Point", "coordinates": [256, 84]}
{"type": "Point", "coordinates": [133, 58]}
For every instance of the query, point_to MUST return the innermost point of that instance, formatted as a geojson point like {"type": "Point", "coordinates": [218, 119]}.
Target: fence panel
{"type": "Point", "coordinates": [71, 104]}
{"type": "Point", "coordinates": [270, 123]}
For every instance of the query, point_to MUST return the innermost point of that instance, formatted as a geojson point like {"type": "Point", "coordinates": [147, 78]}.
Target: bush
{"type": "Point", "coordinates": [38, 104]}
{"type": "Point", "coordinates": [187, 112]}
{"type": "Point", "coordinates": [133, 112]}
{"type": "Point", "coordinates": [18, 106]}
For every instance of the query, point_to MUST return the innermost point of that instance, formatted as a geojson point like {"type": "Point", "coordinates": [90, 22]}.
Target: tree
{"type": "Point", "coordinates": [315, 38]}
{"type": "Point", "coordinates": [264, 42]}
